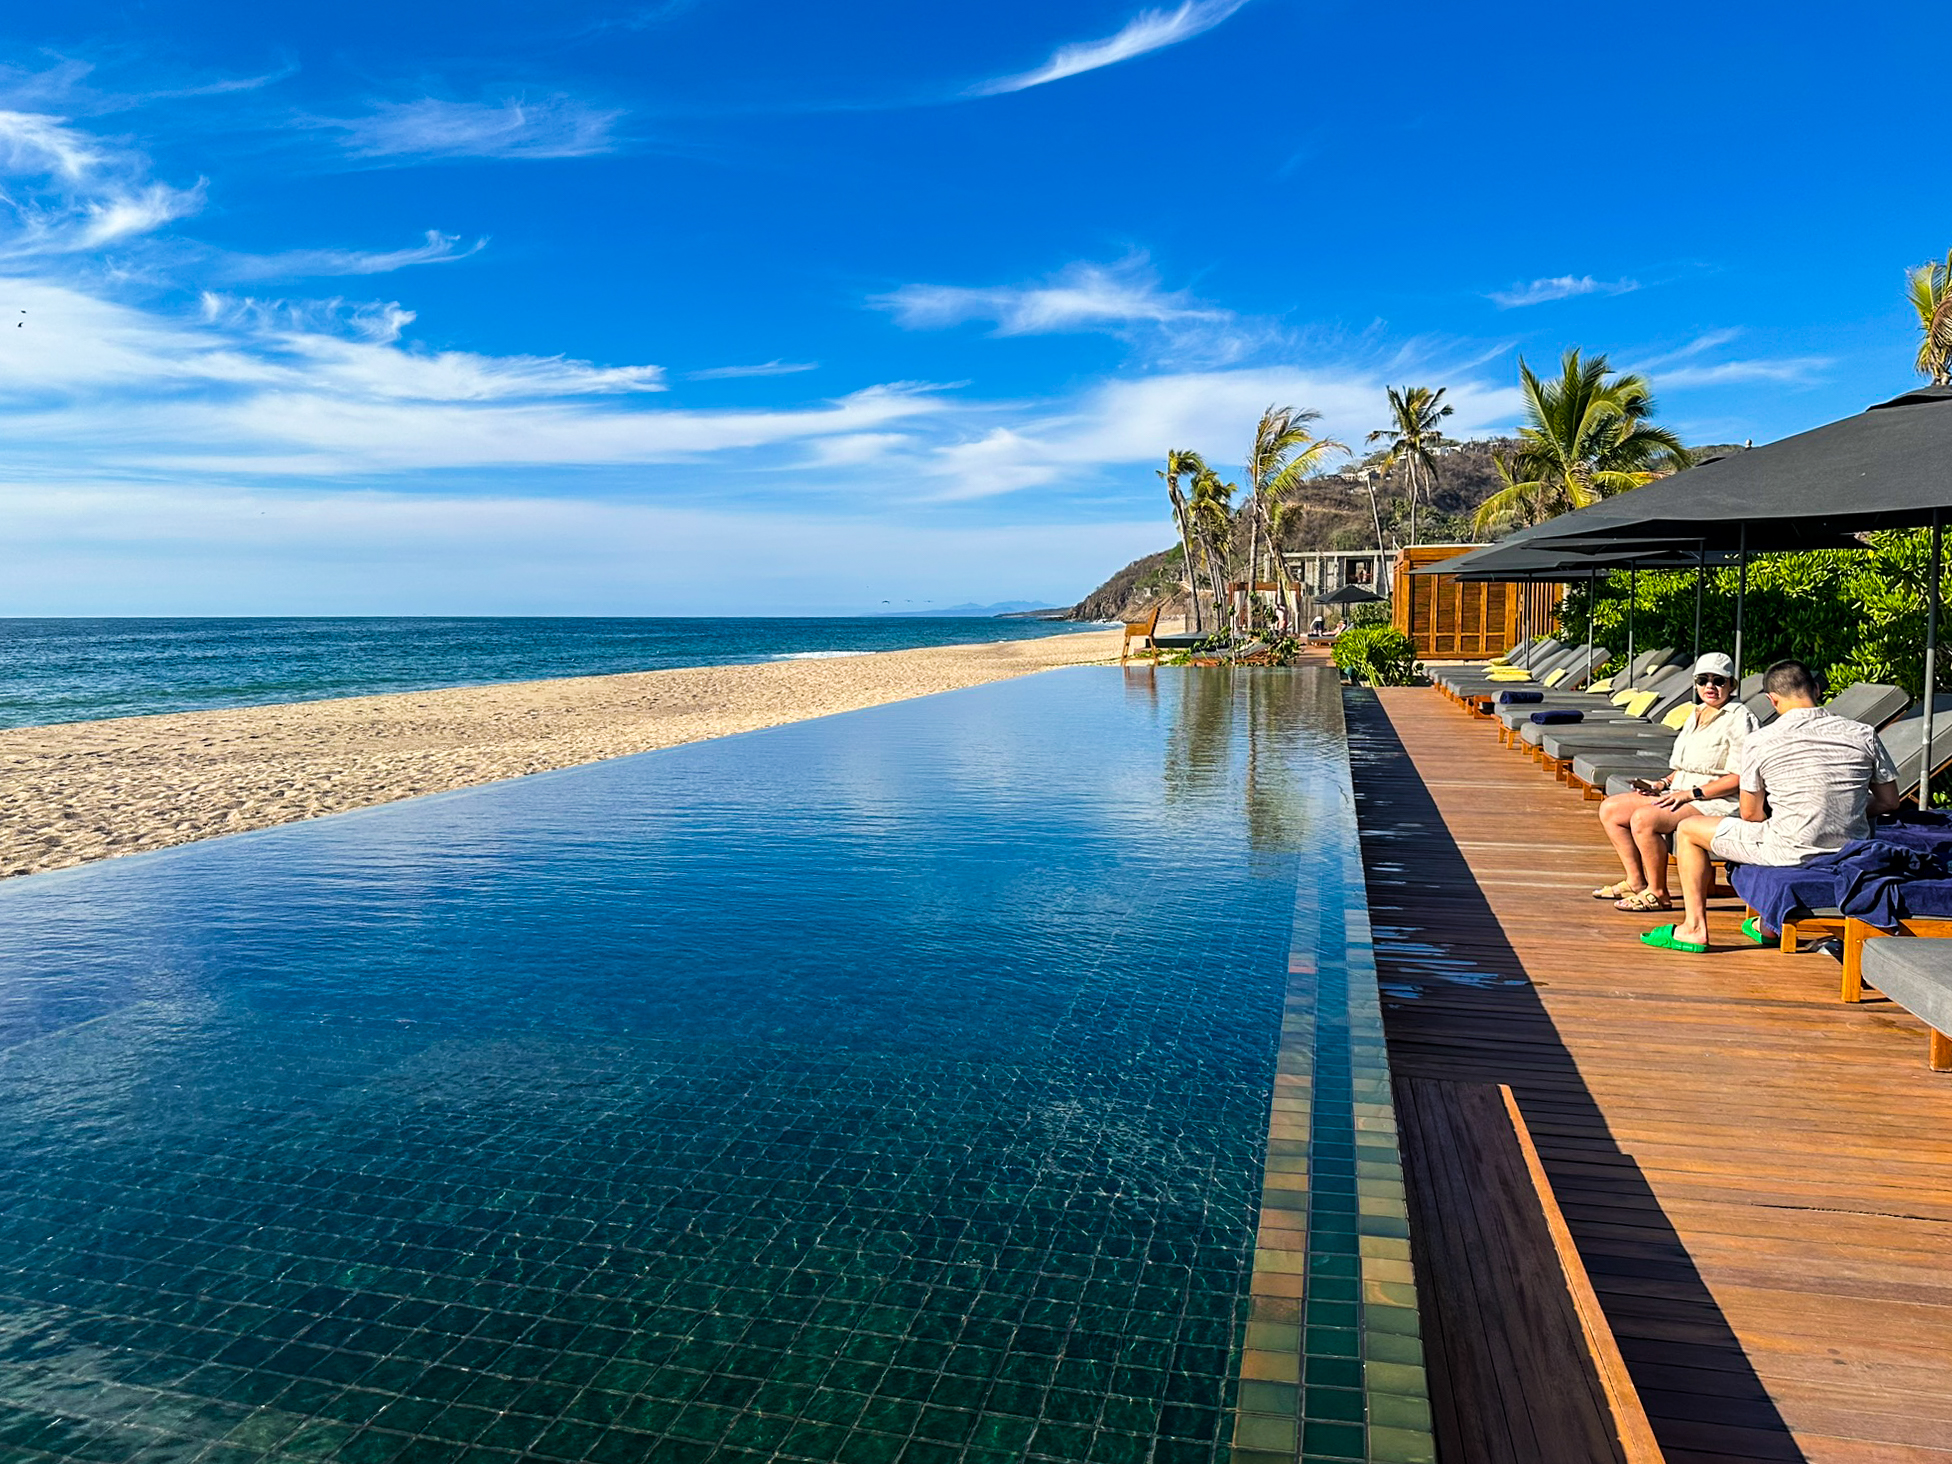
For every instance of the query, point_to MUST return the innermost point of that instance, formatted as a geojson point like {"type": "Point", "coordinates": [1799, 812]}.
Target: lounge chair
{"type": "Point", "coordinates": [1915, 973]}
{"type": "Point", "coordinates": [1640, 676]}
{"type": "Point", "coordinates": [1141, 630]}
{"type": "Point", "coordinates": [1904, 739]}
{"type": "Point", "coordinates": [1637, 714]}
{"type": "Point", "coordinates": [1539, 657]}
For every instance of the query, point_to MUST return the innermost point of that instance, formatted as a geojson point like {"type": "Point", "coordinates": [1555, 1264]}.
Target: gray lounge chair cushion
{"type": "Point", "coordinates": [1915, 973]}
{"type": "Point", "coordinates": [1566, 742]}
{"type": "Point", "coordinates": [1870, 702]}
{"type": "Point", "coordinates": [1615, 774]}
{"type": "Point", "coordinates": [1905, 738]}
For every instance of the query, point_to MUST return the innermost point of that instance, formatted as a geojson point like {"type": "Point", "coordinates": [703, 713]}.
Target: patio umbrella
{"type": "Point", "coordinates": [1351, 595]}
{"type": "Point", "coordinates": [1885, 468]}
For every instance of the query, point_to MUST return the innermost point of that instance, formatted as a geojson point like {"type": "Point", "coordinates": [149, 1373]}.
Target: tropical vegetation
{"type": "Point", "coordinates": [1413, 440]}
{"type": "Point", "coordinates": [1929, 289]}
{"type": "Point", "coordinates": [1588, 434]}
{"type": "Point", "coordinates": [1377, 655]}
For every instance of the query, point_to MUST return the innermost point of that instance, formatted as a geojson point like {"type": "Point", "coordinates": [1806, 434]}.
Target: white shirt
{"type": "Point", "coordinates": [1704, 753]}
{"type": "Point", "coordinates": [1816, 769]}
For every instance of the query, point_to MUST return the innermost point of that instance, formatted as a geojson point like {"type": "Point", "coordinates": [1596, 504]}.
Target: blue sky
{"type": "Point", "coordinates": [738, 306]}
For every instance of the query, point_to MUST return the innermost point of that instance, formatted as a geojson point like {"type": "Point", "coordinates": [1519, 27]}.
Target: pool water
{"type": "Point", "coordinates": [893, 1086]}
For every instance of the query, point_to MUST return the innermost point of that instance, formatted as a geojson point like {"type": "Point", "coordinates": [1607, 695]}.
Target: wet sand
{"type": "Point", "coordinates": [80, 791]}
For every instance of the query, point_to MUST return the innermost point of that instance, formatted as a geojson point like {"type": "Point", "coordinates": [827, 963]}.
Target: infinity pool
{"type": "Point", "coordinates": [894, 1086]}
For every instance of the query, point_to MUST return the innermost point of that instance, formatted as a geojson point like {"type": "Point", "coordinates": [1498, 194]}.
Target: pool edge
{"type": "Point", "coordinates": [1332, 1199]}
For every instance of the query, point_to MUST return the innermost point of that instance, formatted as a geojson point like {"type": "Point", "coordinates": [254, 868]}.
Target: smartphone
{"type": "Point", "coordinates": [1644, 785]}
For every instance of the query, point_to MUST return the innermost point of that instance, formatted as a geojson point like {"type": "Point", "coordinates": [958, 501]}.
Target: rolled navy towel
{"type": "Point", "coordinates": [1558, 716]}
{"type": "Point", "coordinates": [1519, 698]}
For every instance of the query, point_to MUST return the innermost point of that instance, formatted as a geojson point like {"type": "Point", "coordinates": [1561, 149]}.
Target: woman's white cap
{"type": "Point", "coordinates": [1715, 663]}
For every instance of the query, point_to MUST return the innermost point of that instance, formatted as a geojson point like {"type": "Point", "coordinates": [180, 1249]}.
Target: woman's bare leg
{"type": "Point", "coordinates": [1650, 825]}
{"type": "Point", "coordinates": [1616, 817]}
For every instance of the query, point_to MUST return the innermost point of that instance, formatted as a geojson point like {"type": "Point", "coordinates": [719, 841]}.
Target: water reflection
{"type": "Point", "coordinates": [1248, 726]}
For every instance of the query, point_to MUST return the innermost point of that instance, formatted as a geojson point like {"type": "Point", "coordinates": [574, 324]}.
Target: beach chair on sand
{"type": "Point", "coordinates": [1140, 630]}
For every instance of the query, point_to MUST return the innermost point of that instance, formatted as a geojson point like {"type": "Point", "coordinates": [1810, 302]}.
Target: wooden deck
{"type": "Point", "coordinates": [1758, 1177]}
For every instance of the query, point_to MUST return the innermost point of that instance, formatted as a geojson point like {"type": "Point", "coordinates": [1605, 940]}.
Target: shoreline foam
{"type": "Point", "coordinates": [75, 792]}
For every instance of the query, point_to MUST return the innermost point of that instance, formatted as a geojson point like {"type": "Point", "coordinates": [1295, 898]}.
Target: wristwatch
{"type": "Point", "coordinates": [1694, 795]}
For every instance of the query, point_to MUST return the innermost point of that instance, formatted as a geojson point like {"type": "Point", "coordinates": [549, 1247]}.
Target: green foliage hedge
{"type": "Point", "coordinates": [1854, 615]}
{"type": "Point", "coordinates": [1378, 654]}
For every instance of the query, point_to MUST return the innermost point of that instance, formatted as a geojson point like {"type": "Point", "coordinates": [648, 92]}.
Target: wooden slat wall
{"type": "Point", "coordinates": [1448, 621]}
{"type": "Point", "coordinates": [1757, 1176]}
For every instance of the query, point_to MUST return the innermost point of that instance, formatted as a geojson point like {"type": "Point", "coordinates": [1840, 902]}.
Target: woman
{"type": "Point", "coordinates": [1706, 778]}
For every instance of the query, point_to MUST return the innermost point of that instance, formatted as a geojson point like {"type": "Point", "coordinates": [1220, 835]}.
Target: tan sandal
{"type": "Point", "coordinates": [1644, 902]}
{"type": "Point", "coordinates": [1615, 891]}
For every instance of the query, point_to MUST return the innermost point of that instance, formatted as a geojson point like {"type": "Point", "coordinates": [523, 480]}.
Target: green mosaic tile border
{"type": "Point", "coordinates": [1331, 1358]}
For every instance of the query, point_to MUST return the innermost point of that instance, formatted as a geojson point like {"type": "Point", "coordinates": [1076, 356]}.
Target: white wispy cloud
{"type": "Point", "coordinates": [1688, 365]}
{"type": "Point", "coordinates": [764, 368]}
{"type": "Point", "coordinates": [1559, 287]}
{"type": "Point", "coordinates": [1081, 297]}
{"type": "Point", "coordinates": [1133, 421]}
{"type": "Point", "coordinates": [438, 248]}
{"type": "Point", "coordinates": [1150, 30]}
{"type": "Point", "coordinates": [1786, 369]}
{"type": "Point", "coordinates": [330, 388]}
{"type": "Point", "coordinates": [69, 193]}
{"type": "Point", "coordinates": [554, 127]}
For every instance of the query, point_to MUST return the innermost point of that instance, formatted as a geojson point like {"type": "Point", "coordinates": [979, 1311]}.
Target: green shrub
{"type": "Point", "coordinates": [1369, 614]}
{"type": "Point", "coordinates": [1381, 655]}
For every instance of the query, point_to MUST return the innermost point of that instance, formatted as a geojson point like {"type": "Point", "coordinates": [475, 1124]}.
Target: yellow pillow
{"type": "Point", "coordinates": [1640, 703]}
{"type": "Point", "coordinates": [1599, 687]}
{"type": "Point", "coordinates": [1555, 678]}
{"type": "Point", "coordinates": [1509, 673]}
{"type": "Point", "coordinates": [1675, 718]}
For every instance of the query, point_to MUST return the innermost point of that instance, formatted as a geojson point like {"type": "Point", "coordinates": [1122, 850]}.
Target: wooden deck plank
{"type": "Point", "coordinates": [1757, 1176]}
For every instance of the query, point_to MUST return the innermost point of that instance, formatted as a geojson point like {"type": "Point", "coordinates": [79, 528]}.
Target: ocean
{"type": "Point", "coordinates": [84, 670]}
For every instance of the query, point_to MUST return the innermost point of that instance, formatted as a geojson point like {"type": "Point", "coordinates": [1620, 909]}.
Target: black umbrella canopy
{"type": "Point", "coordinates": [1351, 595]}
{"type": "Point", "coordinates": [1888, 467]}
{"type": "Point", "coordinates": [1554, 561]}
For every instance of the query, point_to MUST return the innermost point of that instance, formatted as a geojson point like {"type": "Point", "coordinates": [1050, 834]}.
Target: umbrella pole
{"type": "Point", "coordinates": [1741, 596]}
{"type": "Point", "coordinates": [1931, 661]}
{"type": "Point", "coordinates": [1633, 594]}
{"type": "Point", "coordinates": [1700, 579]}
{"type": "Point", "coordinates": [1592, 613]}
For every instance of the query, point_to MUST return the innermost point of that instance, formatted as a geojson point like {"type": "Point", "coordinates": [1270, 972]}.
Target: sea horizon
{"type": "Point", "coordinates": [57, 669]}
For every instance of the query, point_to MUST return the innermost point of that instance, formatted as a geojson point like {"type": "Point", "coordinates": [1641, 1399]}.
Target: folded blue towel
{"type": "Point", "coordinates": [1519, 698]}
{"type": "Point", "coordinates": [1558, 716]}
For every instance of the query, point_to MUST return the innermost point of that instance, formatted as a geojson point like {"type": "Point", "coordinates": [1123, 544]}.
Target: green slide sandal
{"type": "Point", "coordinates": [1752, 928]}
{"type": "Point", "coordinates": [1662, 939]}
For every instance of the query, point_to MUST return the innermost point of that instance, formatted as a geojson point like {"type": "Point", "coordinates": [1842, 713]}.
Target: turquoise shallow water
{"type": "Point", "coordinates": [887, 1087]}
{"type": "Point", "coordinates": [79, 670]}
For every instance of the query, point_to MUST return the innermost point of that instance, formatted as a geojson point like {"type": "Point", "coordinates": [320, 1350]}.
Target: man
{"type": "Point", "coordinates": [1810, 784]}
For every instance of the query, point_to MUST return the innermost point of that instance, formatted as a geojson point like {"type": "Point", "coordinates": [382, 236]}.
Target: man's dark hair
{"type": "Point", "coordinates": [1791, 678]}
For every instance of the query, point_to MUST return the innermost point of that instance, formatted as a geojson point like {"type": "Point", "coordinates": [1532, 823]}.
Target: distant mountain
{"type": "Point", "coordinates": [971, 612]}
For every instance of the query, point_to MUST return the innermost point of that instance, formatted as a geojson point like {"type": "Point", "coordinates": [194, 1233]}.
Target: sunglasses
{"type": "Point", "coordinates": [1712, 681]}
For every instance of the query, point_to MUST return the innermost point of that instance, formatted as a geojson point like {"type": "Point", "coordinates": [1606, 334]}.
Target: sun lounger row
{"type": "Point", "coordinates": [1897, 883]}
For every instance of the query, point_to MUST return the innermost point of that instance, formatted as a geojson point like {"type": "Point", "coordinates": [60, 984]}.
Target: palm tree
{"type": "Point", "coordinates": [1587, 436]}
{"type": "Point", "coordinates": [1517, 504]}
{"type": "Point", "coordinates": [1285, 452]}
{"type": "Point", "coordinates": [1930, 293]}
{"type": "Point", "coordinates": [1189, 465]}
{"type": "Point", "coordinates": [1213, 523]}
{"type": "Point", "coordinates": [1413, 437]}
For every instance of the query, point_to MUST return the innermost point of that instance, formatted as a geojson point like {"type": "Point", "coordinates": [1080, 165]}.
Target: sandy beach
{"type": "Point", "coordinates": [80, 791]}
